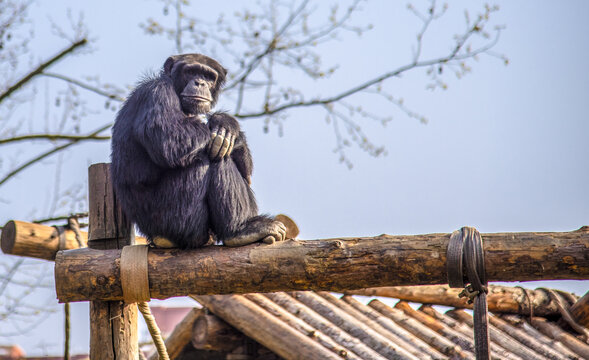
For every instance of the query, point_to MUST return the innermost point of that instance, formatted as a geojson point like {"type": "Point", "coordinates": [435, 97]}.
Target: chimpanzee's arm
{"type": "Point", "coordinates": [242, 157]}
{"type": "Point", "coordinates": [229, 141]}
{"type": "Point", "coordinates": [170, 137]}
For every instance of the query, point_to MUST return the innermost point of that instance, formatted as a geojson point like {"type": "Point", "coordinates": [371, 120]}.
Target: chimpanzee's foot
{"type": "Point", "coordinates": [268, 231]}
{"type": "Point", "coordinates": [161, 242]}
{"type": "Point", "coordinates": [292, 230]}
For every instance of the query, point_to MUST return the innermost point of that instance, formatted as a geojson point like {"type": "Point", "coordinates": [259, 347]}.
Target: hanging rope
{"type": "Point", "coordinates": [465, 251]}
{"type": "Point", "coordinates": [74, 225]}
{"type": "Point", "coordinates": [154, 330]}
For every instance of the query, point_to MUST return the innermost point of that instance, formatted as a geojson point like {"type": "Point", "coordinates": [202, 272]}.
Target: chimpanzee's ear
{"type": "Point", "coordinates": [169, 64]}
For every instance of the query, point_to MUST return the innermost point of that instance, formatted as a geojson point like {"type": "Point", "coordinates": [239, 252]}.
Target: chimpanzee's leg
{"type": "Point", "coordinates": [233, 212]}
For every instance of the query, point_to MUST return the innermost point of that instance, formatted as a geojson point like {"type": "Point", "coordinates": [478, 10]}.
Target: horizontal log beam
{"type": "Point", "coordinates": [500, 299]}
{"type": "Point", "coordinates": [35, 240]}
{"type": "Point", "coordinates": [331, 264]}
{"type": "Point", "coordinates": [38, 241]}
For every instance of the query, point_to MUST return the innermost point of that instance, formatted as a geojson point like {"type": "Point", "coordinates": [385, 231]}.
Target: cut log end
{"type": "Point", "coordinates": [8, 237]}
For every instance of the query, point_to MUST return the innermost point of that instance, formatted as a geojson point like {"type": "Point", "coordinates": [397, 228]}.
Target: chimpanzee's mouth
{"type": "Point", "coordinates": [198, 98]}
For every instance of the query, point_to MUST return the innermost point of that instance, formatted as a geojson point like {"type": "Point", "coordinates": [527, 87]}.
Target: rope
{"type": "Point", "coordinates": [465, 250]}
{"type": "Point", "coordinates": [61, 245]}
{"type": "Point", "coordinates": [74, 225]}
{"type": "Point", "coordinates": [154, 331]}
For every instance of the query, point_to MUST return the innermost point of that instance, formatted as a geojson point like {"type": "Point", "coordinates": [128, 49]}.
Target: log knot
{"type": "Point", "coordinates": [134, 277]}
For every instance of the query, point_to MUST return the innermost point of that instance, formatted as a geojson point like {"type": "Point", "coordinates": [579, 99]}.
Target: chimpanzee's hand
{"type": "Point", "coordinates": [224, 131]}
{"type": "Point", "coordinates": [221, 144]}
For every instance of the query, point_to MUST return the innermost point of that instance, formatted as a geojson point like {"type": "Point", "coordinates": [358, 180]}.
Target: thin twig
{"type": "Point", "coordinates": [41, 67]}
{"type": "Point", "coordinates": [442, 60]}
{"type": "Point", "coordinates": [48, 153]}
{"type": "Point", "coordinates": [84, 86]}
{"type": "Point", "coordinates": [52, 137]}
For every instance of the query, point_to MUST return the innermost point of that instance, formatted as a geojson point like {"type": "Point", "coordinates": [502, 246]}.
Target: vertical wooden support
{"type": "Point", "coordinates": [113, 324]}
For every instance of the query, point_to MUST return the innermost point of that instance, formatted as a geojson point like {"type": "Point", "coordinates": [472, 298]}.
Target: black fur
{"type": "Point", "coordinates": [162, 173]}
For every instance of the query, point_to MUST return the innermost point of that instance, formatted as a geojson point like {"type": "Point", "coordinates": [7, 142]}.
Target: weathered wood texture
{"type": "Point", "coordinates": [34, 240]}
{"type": "Point", "coordinates": [317, 321]}
{"type": "Point", "coordinates": [331, 264]}
{"type": "Point", "coordinates": [113, 330]}
{"type": "Point", "coordinates": [580, 310]}
{"type": "Point", "coordinates": [113, 324]}
{"type": "Point", "coordinates": [266, 329]}
{"type": "Point", "coordinates": [106, 221]}
{"type": "Point", "coordinates": [370, 316]}
{"type": "Point", "coordinates": [210, 332]}
{"type": "Point", "coordinates": [553, 331]}
{"type": "Point", "coordinates": [39, 241]}
{"type": "Point", "coordinates": [501, 299]}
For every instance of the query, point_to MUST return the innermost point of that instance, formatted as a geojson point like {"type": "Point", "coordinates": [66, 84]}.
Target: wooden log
{"type": "Point", "coordinates": [331, 265]}
{"type": "Point", "coordinates": [301, 326]}
{"type": "Point", "coordinates": [209, 332]}
{"type": "Point", "coordinates": [399, 331]}
{"type": "Point", "coordinates": [37, 241]}
{"type": "Point", "coordinates": [320, 323]}
{"type": "Point", "coordinates": [524, 338]}
{"type": "Point", "coordinates": [550, 329]}
{"type": "Point", "coordinates": [40, 241]}
{"type": "Point", "coordinates": [523, 325]}
{"type": "Point", "coordinates": [501, 299]}
{"type": "Point", "coordinates": [353, 326]}
{"type": "Point", "coordinates": [442, 338]}
{"type": "Point", "coordinates": [457, 331]}
{"type": "Point", "coordinates": [396, 334]}
{"type": "Point", "coordinates": [113, 324]}
{"type": "Point", "coordinates": [265, 328]}
{"type": "Point", "coordinates": [499, 337]}
{"type": "Point", "coordinates": [580, 310]}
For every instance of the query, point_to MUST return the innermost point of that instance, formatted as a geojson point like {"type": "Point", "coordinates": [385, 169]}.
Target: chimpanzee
{"type": "Point", "coordinates": [180, 172]}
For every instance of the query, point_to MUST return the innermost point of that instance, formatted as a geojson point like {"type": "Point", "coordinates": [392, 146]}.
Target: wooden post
{"type": "Point", "coordinates": [113, 324]}
{"type": "Point", "coordinates": [330, 264]}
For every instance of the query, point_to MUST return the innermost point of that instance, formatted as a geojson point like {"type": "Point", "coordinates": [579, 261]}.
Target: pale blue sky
{"type": "Point", "coordinates": [505, 148]}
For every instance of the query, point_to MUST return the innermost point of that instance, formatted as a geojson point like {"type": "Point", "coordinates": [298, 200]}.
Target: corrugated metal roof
{"type": "Point", "coordinates": [352, 330]}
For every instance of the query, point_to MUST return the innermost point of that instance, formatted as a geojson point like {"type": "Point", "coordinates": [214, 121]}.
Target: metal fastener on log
{"type": "Point", "coordinates": [331, 265]}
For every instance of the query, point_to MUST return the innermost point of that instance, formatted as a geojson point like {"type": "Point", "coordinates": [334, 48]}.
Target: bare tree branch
{"type": "Point", "coordinates": [453, 56]}
{"type": "Point", "coordinates": [41, 67]}
{"type": "Point", "coordinates": [53, 137]}
{"type": "Point", "coordinates": [49, 153]}
{"type": "Point", "coordinates": [86, 86]}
